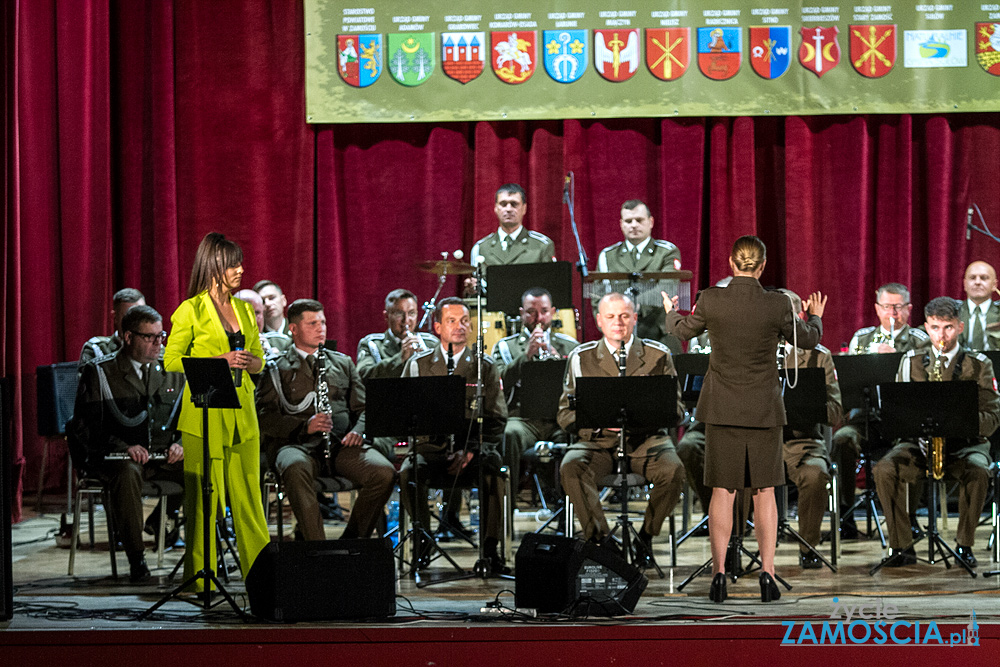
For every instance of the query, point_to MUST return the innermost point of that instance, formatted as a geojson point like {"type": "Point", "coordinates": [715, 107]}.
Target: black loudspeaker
{"type": "Point", "coordinates": [320, 581]}
{"type": "Point", "coordinates": [6, 558]}
{"type": "Point", "coordinates": [563, 574]}
{"type": "Point", "coordinates": [56, 392]}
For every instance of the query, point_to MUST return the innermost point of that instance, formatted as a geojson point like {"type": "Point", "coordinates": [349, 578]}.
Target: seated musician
{"type": "Point", "coordinates": [383, 355]}
{"type": "Point", "coordinates": [979, 313]}
{"type": "Point", "coordinates": [274, 306]}
{"type": "Point", "coordinates": [99, 346]}
{"type": "Point", "coordinates": [893, 334]}
{"type": "Point", "coordinates": [639, 252]}
{"type": "Point", "coordinates": [804, 452]}
{"type": "Point", "coordinates": [123, 428]}
{"type": "Point", "coordinates": [651, 455]}
{"type": "Point", "coordinates": [450, 463]}
{"type": "Point", "coordinates": [967, 461]}
{"type": "Point", "coordinates": [272, 342]}
{"type": "Point", "coordinates": [535, 342]}
{"type": "Point", "coordinates": [311, 405]}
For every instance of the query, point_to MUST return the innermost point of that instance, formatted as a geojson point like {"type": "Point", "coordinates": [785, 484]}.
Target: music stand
{"type": "Point", "coordinates": [858, 375]}
{"type": "Point", "coordinates": [416, 406]}
{"type": "Point", "coordinates": [509, 282]}
{"type": "Point", "coordinates": [638, 403]}
{"type": "Point", "coordinates": [924, 410]}
{"type": "Point", "coordinates": [541, 387]}
{"type": "Point", "coordinates": [210, 382]}
{"type": "Point", "coordinates": [805, 407]}
{"type": "Point", "coordinates": [691, 370]}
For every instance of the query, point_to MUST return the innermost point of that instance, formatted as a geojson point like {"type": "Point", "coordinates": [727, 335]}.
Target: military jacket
{"type": "Point", "coordinates": [380, 354]}
{"type": "Point", "coordinates": [530, 247]}
{"type": "Point", "coordinates": [114, 410]}
{"type": "Point", "coordinates": [509, 356]}
{"type": "Point", "coordinates": [907, 339]}
{"type": "Point", "coordinates": [286, 401]}
{"type": "Point", "coordinates": [991, 335]}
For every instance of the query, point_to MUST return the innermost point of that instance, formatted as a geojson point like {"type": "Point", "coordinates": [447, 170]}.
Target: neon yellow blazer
{"type": "Point", "coordinates": [196, 331]}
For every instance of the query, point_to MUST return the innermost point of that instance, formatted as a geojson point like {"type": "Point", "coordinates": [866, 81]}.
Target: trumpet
{"type": "Point", "coordinates": [937, 444]}
{"type": "Point", "coordinates": [543, 350]}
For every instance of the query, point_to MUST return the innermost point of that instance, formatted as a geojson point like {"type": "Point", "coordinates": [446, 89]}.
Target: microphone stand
{"type": "Point", "coordinates": [969, 225]}
{"type": "Point", "coordinates": [429, 306]}
{"type": "Point", "coordinates": [482, 566]}
{"type": "Point", "coordinates": [569, 198]}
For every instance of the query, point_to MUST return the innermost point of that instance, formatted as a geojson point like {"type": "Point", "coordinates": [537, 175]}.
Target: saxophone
{"type": "Point", "coordinates": [323, 399]}
{"type": "Point", "coordinates": [937, 444]}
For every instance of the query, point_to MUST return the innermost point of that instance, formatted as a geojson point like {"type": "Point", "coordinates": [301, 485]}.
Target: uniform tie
{"type": "Point", "coordinates": [145, 377]}
{"type": "Point", "coordinates": [311, 361]}
{"type": "Point", "coordinates": [977, 343]}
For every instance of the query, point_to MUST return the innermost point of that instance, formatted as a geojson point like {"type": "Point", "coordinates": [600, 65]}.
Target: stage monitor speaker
{"type": "Point", "coordinates": [567, 575]}
{"type": "Point", "coordinates": [6, 489]}
{"type": "Point", "coordinates": [56, 392]}
{"type": "Point", "coordinates": [321, 581]}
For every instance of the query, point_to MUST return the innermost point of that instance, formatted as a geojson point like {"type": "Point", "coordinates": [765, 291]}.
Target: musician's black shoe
{"type": "Point", "coordinates": [454, 524]}
{"type": "Point", "coordinates": [965, 553]}
{"type": "Point", "coordinates": [849, 529]}
{"type": "Point", "coordinates": [442, 534]}
{"type": "Point", "coordinates": [643, 550]}
{"type": "Point", "coordinates": [809, 561]}
{"type": "Point", "coordinates": [901, 557]}
{"type": "Point", "coordinates": [138, 570]}
{"type": "Point", "coordinates": [700, 531]}
{"type": "Point", "coordinates": [496, 562]}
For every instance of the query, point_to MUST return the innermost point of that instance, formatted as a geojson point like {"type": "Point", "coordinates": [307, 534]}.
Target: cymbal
{"type": "Point", "coordinates": [441, 267]}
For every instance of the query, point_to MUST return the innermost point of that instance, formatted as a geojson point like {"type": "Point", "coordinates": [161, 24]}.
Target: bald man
{"type": "Point", "coordinates": [979, 312]}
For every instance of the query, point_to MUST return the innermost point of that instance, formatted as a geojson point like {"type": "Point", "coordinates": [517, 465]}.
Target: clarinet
{"type": "Point", "coordinates": [451, 360]}
{"type": "Point", "coordinates": [323, 399]}
{"type": "Point", "coordinates": [621, 360]}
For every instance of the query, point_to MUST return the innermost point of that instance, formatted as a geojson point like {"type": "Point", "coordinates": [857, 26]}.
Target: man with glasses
{"type": "Point", "coordinates": [979, 313]}
{"type": "Point", "coordinates": [124, 428]}
{"type": "Point", "coordinates": [893, 334]}
{"type": "Point", "coordinates": [383, 355]}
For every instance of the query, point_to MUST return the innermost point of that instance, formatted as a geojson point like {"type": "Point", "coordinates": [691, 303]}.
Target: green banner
{"type": "Point", "coordinates": [433, 60]}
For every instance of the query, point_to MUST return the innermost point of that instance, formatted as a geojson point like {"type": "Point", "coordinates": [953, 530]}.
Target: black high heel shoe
{"type": "Point", "coordinates": [717, 593]}
{"type": "Point", "coordinates": [768, 588]}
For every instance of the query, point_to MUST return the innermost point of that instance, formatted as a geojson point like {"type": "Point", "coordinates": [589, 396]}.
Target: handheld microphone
{"type": "Point", "coordinates": [451, 360]}
{"type": "Point", "coordinates": [968, 224]}
{"type": "Point", "coordinates": [237, 342]}
{"type": "Point", "coordinates": [621, 360]}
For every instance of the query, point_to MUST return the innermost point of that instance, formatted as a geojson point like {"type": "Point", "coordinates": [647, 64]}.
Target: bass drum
{"type": "Point", "coordinates": [494, 329]}
{"type": "Point", "coordinates": [565, 322]}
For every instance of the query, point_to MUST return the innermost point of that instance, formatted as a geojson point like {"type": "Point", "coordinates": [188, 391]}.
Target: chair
{"type": "Point", "coordinates": [90, 487]}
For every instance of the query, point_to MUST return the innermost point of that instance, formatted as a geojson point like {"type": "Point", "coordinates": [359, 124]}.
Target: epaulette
{"type": "Point", "coordinates": [538, 236]}
{"type": "Point", "coordinates": [583, 347]}
{"type": "Point", "coordinates": [979, 356]}
{"type": "Point", "coordinates": [105, 358]}
{"type": "Point", "coordinates": [917, 333]}
{"type": "Point", "coordinates": [612, 247]}
{"type": "Point", "coordinates": [568, 339]}
{"type": "Point", "coordinates": [656, 345]}
{"type": "Point", "coordinates": [820, 348]}
{"type": "Point", "coordinates": [864, 331]}
{"type": "Point", "coordinates": [97, 340]}
{"type": "Point", "coordinates": [335, 354]}
{"type": "Point", "coordinates": [664, 244]}
{"type": "Point", "coordinates": [372, 336]}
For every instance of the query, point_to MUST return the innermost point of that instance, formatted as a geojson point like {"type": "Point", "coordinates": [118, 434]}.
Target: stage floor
{"type": "Point", "coordinates": [45, 599]}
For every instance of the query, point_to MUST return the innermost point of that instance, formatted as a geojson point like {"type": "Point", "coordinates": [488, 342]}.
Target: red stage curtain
{"type": "Point", "coordinates": [137, 127]}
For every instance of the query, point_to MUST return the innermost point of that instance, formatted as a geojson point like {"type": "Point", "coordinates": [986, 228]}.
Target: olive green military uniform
{"type": "Point", "coordinates": [380, 355]}
{"type": "Point", "coordinates": [285, 403]}
{"type": "Point", "coordinates": [968, 460]}
{"type": "Point", "coordinates": [97, 347]}
{"type": "Point", "coordinates": [116, 409]}
{"type": "Point", "coordinates": [804, 452]}
{"type": "Point", "coordinates": [522, 434]}
{"type": "Point", "coordinates": [990, 336]}
{"type": "Point", "coordinates": [529, 247]}
{"type": "Point", "coordinates": [655, 257]}
{"type": "Point", "coordinates": [651, 455]}
{"type": "Point", "coordinates": [432, 453]}
{"type": "Point", "coordinates": [847, 440]}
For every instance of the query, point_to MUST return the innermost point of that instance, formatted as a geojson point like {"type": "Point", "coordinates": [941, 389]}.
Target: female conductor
{"type": "Point", "coordinates": [740, 402]}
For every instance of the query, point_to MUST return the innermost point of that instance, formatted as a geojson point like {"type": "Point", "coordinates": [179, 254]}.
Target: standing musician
{"type": "Point", "coordinates": [311, 404]}
{"type": "Point", "coordinates": [511, 243]}
{"type": "Point", "coordinates": [967, 461]}
{"type": "Point", "coordinates": [893, 334]}
{"type": "Point", "coordinates": [126, 405]}
{"type": "Point", "coordinates": [652, 454]}
{"type": "Point", "coordinates": [740, 401]}
{"type": "Point", "coordinates": [979, 313]}
{"type": "Point", "coordinates": [210, 323]}
{"type": "Point", "coordinates": [98, 346]}
{"type": "Point", "coordinates": [804, 452]}
{"type": "Point", "coordinates": [639, 252]}
{"type": "Point", "coordinates": [536, 342]}
{"type": "Point", "coordinates": [444, 462]}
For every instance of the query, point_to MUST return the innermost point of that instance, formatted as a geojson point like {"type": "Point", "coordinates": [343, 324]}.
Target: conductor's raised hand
{"type": "Point", "coordinates": [669, 302]}
{"type": "Point", "coordinates": [815, 304]}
